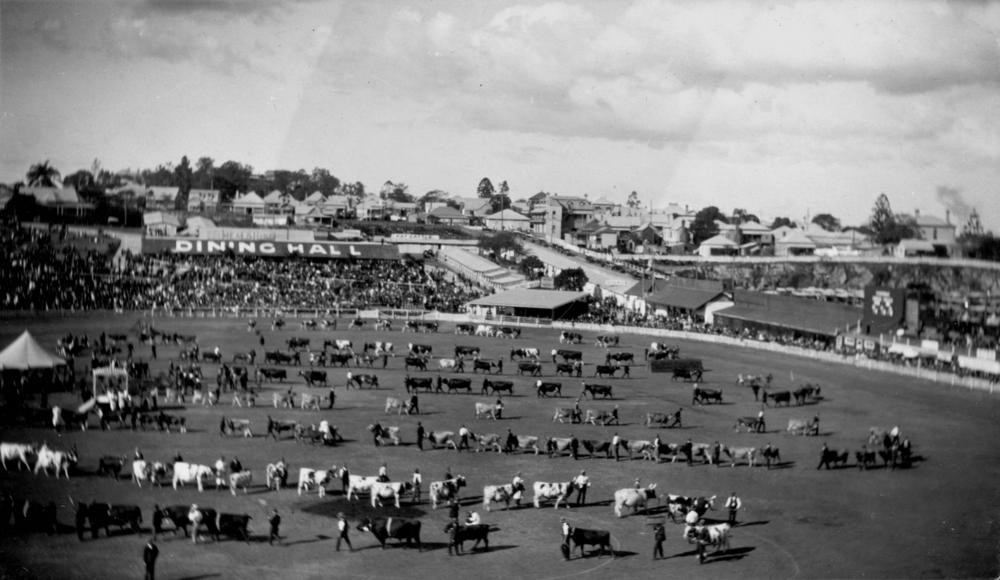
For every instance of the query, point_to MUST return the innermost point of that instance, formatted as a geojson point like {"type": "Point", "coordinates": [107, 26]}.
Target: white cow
{"type": "Point", "coordinates": [343, 344]}
{"type": "Point", "coordinates": [442, 491]}
{"type": "Point", "coordinates": [240, 479]}
{"type": "Point", "coordinates": [185, 473]}
{"type": "Point", "coordinates": [555, 491]}
{"type": "Point", "coordinates": [151, 471]}
{"type": "Point", "coordinates": [714, 535]}
{"type": "Point", "coordinates": [309, 477]}
{"type": "Point", "coordinates": [447, 363]}
{"type": "Point", "coordinates": [485, 330]}
{"type": "Point", "coordinates": [18, 451]}
{"type": "Point", "coordinates": [488, 410]}
{"type": "Point", "coordinates": [499, 493]}
{"type": "Point", "coordinates": [56, 460]}
{"type": "Point", "coordinates": [358, 484]}
{"type": "Point", "coordinates": [388, 490]}
{"type": "Point", "coordinates": [633, 499]}
{"type": "Point", "coordinates": [395, 404]}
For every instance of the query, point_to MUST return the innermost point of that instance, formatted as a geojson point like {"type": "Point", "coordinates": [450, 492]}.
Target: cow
{"type": "Point", "coordinates": [533, 369]}
{"type": "Point", "coordinates": [277, 324]}
{"type": "Point", "coordinates": [802, 427]}
{"type": "Point", "coordinates": [111, 465]}
{"type": "Point", "coordinates": [308, 401]}
{"type": "Point", "coordinates": [569, 369]}
{"type": "Point", "coordinates": [558, 445]}
{"type": "Point", "coordinates": [314, 377]}
{"type": "Point", "coordinates": [447, 364]}
{"type": "Point", "coordinates": [484, 365]}
{"type": "Point", "coordinates": [737, 453]}
{"type": "Point", "coordinates": [104, 515]}
{"type": "Point", "coordinates": [501, 493]}
{"type": "Point", "coordinates": [464, 328]}
{"type": "Point", "coordinates": [570, 337]}
{"type": "Point", "coordinates": [558, 492]}
{"type": "Point", "coordinates": [595, 390]}
{"type": "Point", "coordinates": [357, 323]}
{"type": "Point", "coordinates": [275, 428]}
{"type": "Point", "coordinates": [143, 470]}
{"type": "Point", "coordinates": [35, 516]}
{"type": "Point", "coordinates": [527, 442]}
{"type": "Point", "coordinates": [606, 341]}
{"type": "Point", "coordinates": [272, 374]}
{"type": "Point", "coordinates": [488, 410]}
{"type": "Point", "coordinates": [361, 380]}
{"type": "Point", "coordinates": [523, 353]}
{"type": "Point", "coordinates": [828, 456]}
{"type": "Point", "coordinates": [866, 458]}
{"type": "Point", "coordinates": [461, 351]}
{"type": "Point", "coordinates": [178, 515]}
{"type": "Point", "coordinates": [275, 475]}
{"type": "Point", "coordinates": [805, 392]}
{"type": "Point", "coordinates": [429, 326]}
{"type": "Point", "coordinates": [309, 477]}
{"type": "Point", "coordinates": [210, 356]}
{"type": "Point", "coordinates": [395, 404]}
{"type": "Point", "coordinates": [454, 384]}
{"type": "Point", "coordinates": [415, 362]}
{"type": "Point", "coordinates": [401, 529]}
{"type": "Point", "coordinates": [679, 506]}
{"type": "Point", "coordinates": [594, 447]}
{"type": "Point", "coordinates": [497, 387]}
{"type": "Point", "coordinates": [714, 535]}
{"type": "Point", "coordinates": [58, 461]}
{"type": "Point", "coordinates": [185, 473]}
{"type": "Point", "coordinates": [233, 526]}
{"type": "Point", "coordinates": [543, 389]}
{"type": "Point", "coordinates": [703, 396]}
{"type": "Point", "coordinates": [751, 424]}
{"type": "Point", "coordinates": [667, 420]}
{"type": "Point", "coordinates": [643, 447]}
{"type": "Point", "coordinates": [603, 418]}
{"type": "Point", "coordinates": [385, 433]}
{"type": "Point", "coordinates": [409, 325]}
{"type": "Point", "coordinates": [581, 537]}
{"type": "Point", "coordinates": [19, 451]}
{"type": "Point", "coordinates": [687, 374]}
{"type": "Point", "coordinates": [778, 397]}
{"type": "Point", "coordinates": [444, 491]}
{"type": "Point", "coordinates": [442, 439]}
{"type": "Point", "coordinates": [459, 534]}
{"type": "Point", "coordinates": [487, 442]}
{"type": "Point", "coordinates": [619, 357]}
{"type": "Point", "coordinates": [414, 384]}
{"type": "Point", "coordinates": [340, 344]}
{"type": "Point", "coordinates": [278, 357]}
{"type": "Point", "coordinates": [485, 330]}
{"type": "Point", "coordinates": [420, 349]}
{"type": "Point", "coordinates": [241, 479]}
{"type": "Point", "coordinates": [567, 355]}
{"type": "Point", "coordinates": [246, 357]}
{"type": "Point", "coordinates": [634, 499]}
{"type": "Point", "coordinates": [386, 490]}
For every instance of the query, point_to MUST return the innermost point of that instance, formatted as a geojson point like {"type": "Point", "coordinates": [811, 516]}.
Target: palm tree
{"type": "Point", "coordinates": [44, 175]}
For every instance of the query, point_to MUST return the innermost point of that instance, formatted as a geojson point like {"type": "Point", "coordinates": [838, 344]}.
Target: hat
{"type": "Point", "coordinates": [194, 506]}
{"type": "Point", "coordinates": [340, 515]}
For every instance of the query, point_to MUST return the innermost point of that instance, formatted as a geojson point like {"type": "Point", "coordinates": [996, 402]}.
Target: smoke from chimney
{"type": "Point", "coordinates": [951, 198]}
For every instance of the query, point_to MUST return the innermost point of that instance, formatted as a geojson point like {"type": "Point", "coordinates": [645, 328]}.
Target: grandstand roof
{"type": "Point", "coordinates": [801, 314]}
{"type": "Point", "coordinates": [687, 298]}
{"type": "Point", "coordinates": [530, 298]}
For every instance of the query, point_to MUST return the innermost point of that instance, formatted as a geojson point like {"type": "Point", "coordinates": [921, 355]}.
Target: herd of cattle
{"type": "Point", "coordinates": [379, 491]}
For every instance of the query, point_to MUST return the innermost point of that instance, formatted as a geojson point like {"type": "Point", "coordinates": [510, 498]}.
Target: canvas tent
{"type": "Point", "coordinates": [25, 353]}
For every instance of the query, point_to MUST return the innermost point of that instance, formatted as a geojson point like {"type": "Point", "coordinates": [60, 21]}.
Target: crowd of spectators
{"type": "Point", "coordinates": [44, 272]}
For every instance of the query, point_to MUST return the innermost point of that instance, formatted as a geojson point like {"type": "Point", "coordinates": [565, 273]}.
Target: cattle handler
{"type": "Point", "coordinates": [659, 536]}
{"type": "Point", "coordinates": [149, 554]}
{"type": "Point", "coordinates": [342, 531]}
{"type": "Point", "coordinates": [566, 532]}
{"type": "Point", "coordinates": [274, 520]}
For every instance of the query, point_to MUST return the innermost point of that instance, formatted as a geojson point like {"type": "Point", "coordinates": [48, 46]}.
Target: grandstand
{"type": "Point", "coordinates": [483, 271]}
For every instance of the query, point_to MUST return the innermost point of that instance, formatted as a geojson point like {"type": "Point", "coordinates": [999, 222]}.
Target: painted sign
{"type": "Point", "coordinates": [324, 250]}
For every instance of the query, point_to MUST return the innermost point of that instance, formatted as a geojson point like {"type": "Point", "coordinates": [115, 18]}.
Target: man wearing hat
{"type": "Point", "coordinates": [149, 554]}
{"type": "Point", "coordinates": [566, 531]}
{"type": "Point", "coordinates": [195, 517]}
{"type": "Point", "coordinates": [275, 522]}
{"type": "Point", "coordinates": [342, 529]}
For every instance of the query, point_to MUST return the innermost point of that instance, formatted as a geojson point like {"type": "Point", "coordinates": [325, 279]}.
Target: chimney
{"type": "Point", "coordinates": [916, 213]}
{"type": "Point", "coordinates": [947, 216]}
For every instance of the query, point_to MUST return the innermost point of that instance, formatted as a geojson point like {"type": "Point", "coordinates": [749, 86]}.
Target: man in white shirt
{"type": "Point", "coordinates": [517, 485]}
{"type": "Point", "coordinates": [472, 519]}
{"type": "Point", "coordinates": [616, 442]}
{"type": "Point", "coordinates": [463, 435]}
{"type": "Point", "coordinates": [383, 473]}
{"type": "Point", "coordinates": [733, 504]}
{"type": "Point", "coordinates": [342, 531]}
{"type": "Point", "coordinates": [581, 483]}
{"type": "Point", "coordinates": [417, 482]}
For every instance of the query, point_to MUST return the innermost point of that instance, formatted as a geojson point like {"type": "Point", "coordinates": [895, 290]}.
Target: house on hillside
{"type": "Point", "coordinates": [248, 204]}
{"type": "Point", "coordinates": [202, 200]}
{"type": "Point", "coordinates": [475, 206]}
{"type": "Point", "coordinates": [60, 201]}
{"type": "Point", "coordinates": [337, 206]}
{"type": "Point", "coordinates": [718, 245]}
{"type": "Point", "coordinates": [447, 215]}
{"type": "Point", "coordinates": [159, 223]}
{"type": "Point", "coordinates": [564, 215]}
{"type": "Point", "coordinates": [792, 242]}
{"type": "Point", "coordinates": [508, 220]}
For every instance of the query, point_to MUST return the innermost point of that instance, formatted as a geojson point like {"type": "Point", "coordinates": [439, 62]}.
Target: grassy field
{"type": "Point", "coordinates": [937, 519]}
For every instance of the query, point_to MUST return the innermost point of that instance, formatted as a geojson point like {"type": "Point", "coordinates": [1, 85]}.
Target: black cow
{"type": "Point", "coordinates": [532, 368]}
{"type": "Point", "coordinates": [401, 529]}
{"type": "Point", "coordinates": [458, 535]}
{"type": "Point", "coordinates": [178, 516]}
{"type": "Point", "coordinates": [103, 515]}
{"type": "Point", "coordinates": [280, 358]}
{"type": "Point", "coordinates": [296, 342]}
{"type": "Point", "coordinates": [464, 328]}
{"type": "Point", "coordinates": [111, 465]}
{"type": "Point", "coordinates": [866, 458]}
{"type": "Point", "coordinates": [779, 397]}
{"type": "Point", "coordinates": [360, 380]}
{"type": "Point", "coordinates": [314, 377]}
{"type": "Point", "coordinates": [594, 447]}
{"type": "Point", "coordinates": [805, 392]}
{"type": "Point", "coordinates": [454, 384]}
{"type": "Point", "coordinates": [415, 362]}
{"type": "Point", "coordinates": [484, 365]}
{"type": "Point", "coordinates": [703, 396]}
{"type": "Point", "coordinates": [273, 374]}
{"type": "Point", "coordinates": [569, 368]}
{"type": "Point", "coordinates": [605, 370]}
{"type": "Point", "coordinates": [497, 387]}
{"type": "Point", "coordinates": [429, 326]}
{"type": "Point", "coordinates": [828, 456]}
{"type": "Point", "coordinates": [466, 351]}
{"type": "Point", "coordinates": [595, 390]}
{"type": "Point", "coordinates": [36, 516]}
{"type": "Point", "coordinates": [234, 526]}
{"type": "Point", "coordinates": [413, 384]}
{"type": "Point", "coordinates": [619, 357]}
{"type": "Point", "coordinates": [581, 537]}
{"type": "Point", "coordinates": [420, 349]}
{"type": "Point", "coordinates": [568, 355]}
{"type": "Point", "coordinates": [341, 359]}
{"type": "Point", "coordinates": [547, 389]}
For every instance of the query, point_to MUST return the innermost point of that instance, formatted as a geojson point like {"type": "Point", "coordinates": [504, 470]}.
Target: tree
{"type": "Point", "coordinates": [882, 218]}
{"type": "Point", "coordinates": [43, 175]}
{"type": "Point", "coordinates": [827, 222]}
{"type": "Point", "coordinates": [570, 279]}
{"type": "Point", "coordinates": [633, 200]}
{"type": "Point", "coordinates": [742, 216]}
{"type": "Point", "coordinates": [232, 177]}
{"type": "Point", "coordinates": [355, 190]}
{"type": "Point", "coordinates": [204, 173]}
{"type": "Point", "coordinates": [82, 179]}
{"type": "Point", "coordinates": [532, 267]}
{"type": "Point", "coordinates": [485, 189]}
{"type": "Point", "coordinates": [703, 226]}
{"type": "Point", "coordinates": [323, 181]}
{"type": "Point", "coordinates": [973, 228]}
{"type": "Point", "coordinates": [781, 222]}
{"type": "Point", "coordinates": [183, 175]}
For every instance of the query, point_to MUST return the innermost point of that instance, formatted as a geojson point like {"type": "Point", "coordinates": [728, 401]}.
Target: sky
{"type": "Point", "coordinates": [784, 108]}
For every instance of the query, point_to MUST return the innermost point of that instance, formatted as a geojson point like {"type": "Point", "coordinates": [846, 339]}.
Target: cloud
{"type": "Point", "coordinates": [953, 200]}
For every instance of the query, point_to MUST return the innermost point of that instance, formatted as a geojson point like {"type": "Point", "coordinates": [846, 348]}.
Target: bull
{"type": "Point", "coordinates": [595, 390]}
{"type": "Point", "coordinates": [580, 537]}
{"type": "Point", "coordinates": [400, 529]}
{"type": "Point", "coordinates": [501, 493]}
{"type": "Point", "coordinates": [458, 535]}
{"type": "Point", "coordinates": [497, 387]}
{"type": "Point", "coordinates": [104, 515]}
